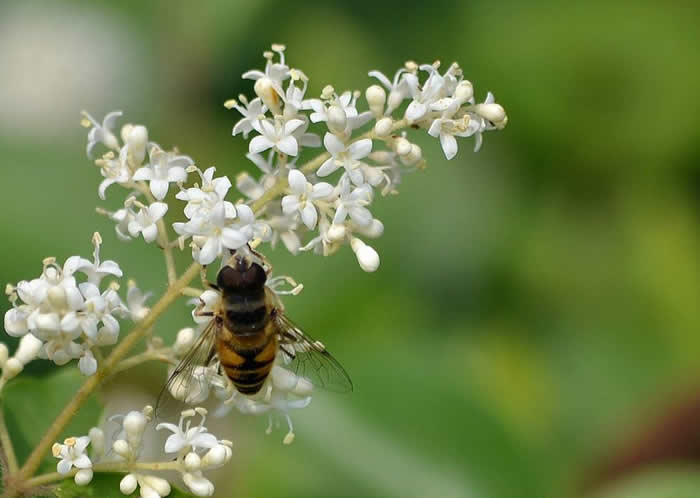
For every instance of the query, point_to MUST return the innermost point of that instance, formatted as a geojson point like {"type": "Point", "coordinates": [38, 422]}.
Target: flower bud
{"type": "Point", "coordinates": [159, 485]}
{"type": "Point", "coordinates": [137, 141]}
{"type": "Point", "coordinates": [57, 297]}
{"type": "Point", "coordinates": [4, 353]}
{"type": "Point", "coordinates": [376, 98]}
{"type": "Point", "coordinates": [128, 484]}
{"type": "Point", "coordinates": [402, 146]}
{"type": "Point", "coordinates": [12, 368]}
{"type": "Point", "coordinates": [134, 425]}
{"type": "Point", "coordinates": [28, 348]}
{"type": "Point", "coordinates": [121, 448]}
{"type": "Point", "coordinates": [265, 89]}
{"type": "Point", "coordinates": [415, 155]}
{"type": "Point", "coordinates": [336, 232]}
{"type": "Point", "coordinates": [493, 112]}
{"type": "Point", "coordinates": [83, 477]}
{"type": "Point", "coordinates": [464, 91]}
{"type": "Point", "coordinates": [337, 119]}
{"type": "Point", "coordinates": [383, 127]}
{"type": "Point", "coordinates": [395, 99]}
{"type": "Point", "coordinates": [87, 363]}
{"type": "Point", "coordinates": [183, 341]}
{"type": "Point", "coordinates": [366, 256]}
{"type": "Point", "coordinates": [192, 461]}
{"type": "Point", "coordinates": [198, 484]}
{"type": "Point", "coordinates": [126, 129]}
{"type": "Point", "coordinates": [216, 456]}
{"type": "Point", "coordinates": [97, 441]}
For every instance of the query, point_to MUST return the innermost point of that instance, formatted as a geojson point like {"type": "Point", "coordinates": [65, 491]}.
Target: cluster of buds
{"type": "Point", "coordinates": [195, 449]}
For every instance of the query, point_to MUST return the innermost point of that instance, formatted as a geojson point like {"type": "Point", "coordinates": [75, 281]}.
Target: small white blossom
{"type": "Point", "coordinates": [164, 168]}
{"type": "Point", "coordinates": [114, 170]}
{"type": "Point", "coordinates": [72, 454]}
{"type": "Point", "coordinates": [352, 201]}
{"type": "Point", "coordinates": [447, 129]}
{"type": "Point", "coordinates": [346, 156]}
{"type": "Point", "coordinates": [194, 437]}
{"type": "Point", "coordinates": [398, 89]}
{"type": "Point", "coordinates": [425, 95]}
{"type": "Point", "coordinates": [144, 222]}
{"type": "Point", "coordinates": [303, 196]}
{"type": "Point", "coordinates": [252, 112]}
{"type": "Point", "coordinates": [136, 302]}
{"type": "Point", "coordinates": [101, 133]}
{"type": "Point", "coordinates": [278, 135]}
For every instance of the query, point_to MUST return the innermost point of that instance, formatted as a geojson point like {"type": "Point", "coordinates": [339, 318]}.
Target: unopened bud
{"type": "Point", "coordinates": [336, 232]}
{"type": "Point", "coordinates": [415, 155]}
{"type": "Point", "coordinates": [183, 341]}
{"type": "Point", "coordinates": [265, 89]}
{"type": "Point", "coordinates": [12, 368]}
{"type": "Point", "coordinates": [83, 477]}
{"type": "Point", "coordinates": [464, 91]}
{"type": "Point", "coordinates": [374, 229]}
{"type": "Point", "coordinates": [128, 484]}
{"type": "Point", "coordinates": [337, 119]}
{"type": "Point", "coordinates": [134, 425]}
{"type": "Point", "coordinates": [367, 257]}
{"type": "Point", "coordinates": [126, 129]}
{"type": "Point", "coordinates": [216, 456]}
{"type": "Point", "coordinates": [97, 441]}
{"type": "Point", "coordinates": [383, 127]}
{"type": "Point", "coordinates": [376, 98]}
{"type": "Point", "coordinates": [161, 486]}
{"type": "Point", "coordinates": [493, 112]}
{"type": "Point", "coordinates": [193, 461]}
{"type": "Point", "coordinates": [402, 146]}
{"type": "Point", "coordinates": [121, 448]}
{"type": "Point", "coordinates": [137, 140]}
{"type": "Point", "coordinates": [28, 348]}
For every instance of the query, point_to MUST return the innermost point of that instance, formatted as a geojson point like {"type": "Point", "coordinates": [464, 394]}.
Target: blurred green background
{"type": "Point", "coordinates": [538, 302]}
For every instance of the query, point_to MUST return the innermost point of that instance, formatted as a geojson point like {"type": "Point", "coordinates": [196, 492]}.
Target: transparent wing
{"type": "Point", "coordinates": [187, 382]}
{"type": "Point", "coordinates": [309, 358]}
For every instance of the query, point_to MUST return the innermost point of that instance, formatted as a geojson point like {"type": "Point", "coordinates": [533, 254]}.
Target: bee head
{"type": "Point", "coordinates": [241, 275]}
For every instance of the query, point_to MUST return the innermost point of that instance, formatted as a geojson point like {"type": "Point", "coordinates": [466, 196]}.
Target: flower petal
{"type": "Point", "coordinates": [288, 145]}
{"type": "Point", "coordinates": [328, 167]}
{"type": "Point", "coordinates": [297, 181]}
{"type": "Point", "coordinates": [360, 149]}
{"type": "Point", "coordinates": [233, 239]}
{"type": "Point", "coordinates": [333, 144]}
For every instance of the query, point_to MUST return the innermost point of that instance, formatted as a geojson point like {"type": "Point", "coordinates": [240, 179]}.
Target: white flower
{"type": "Point", "coordinates": [278, 135]}
{"type": "Point", "coordinates": [101, 133]}
{"type": "Point", "coordinates": [164, 168]}
{"type": "Point", "coordinates": [447, 129]}
{"type": "Point", "coordinates": [87, 363]}
{"type": "Point", "coordinates": [268, 84]}
{"type": "Point", "coordinates": [398, 89]}
{"type": "Point", "coordinates": [97, 270]}
{"type": "Point", "coordinates": [245, 229]}
{"type": "Point", "coordinates": [339, 112]}
{"type": "Point", "coordinates": [123, 217]}
{"type": "Point", "coordinates": [252, 112]}
{"type": "Point", "coordinates": [346, 156]}
{"type": "Point", "coordinates": [136, 302]}
{"type": "Point", "coordinates": [187, 436]}
{"type": "Point", "coordinates": [72, 454]}
{"type": "Point", "coordinates": [303, 196]}
{"type": "Point", "coordinates": [425, 95]}
{"type": "Point", "coordinates": [144, 222]}
{"type": "Point", "coordinates": [115, 170]}
{"type": "Point", "coordinates": [352, 202]}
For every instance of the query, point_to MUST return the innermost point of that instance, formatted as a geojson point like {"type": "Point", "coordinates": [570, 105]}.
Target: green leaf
{"type": "Point", "coordinates": [103, 485]}
{"type": "Point", "coordinates": [32, 403]}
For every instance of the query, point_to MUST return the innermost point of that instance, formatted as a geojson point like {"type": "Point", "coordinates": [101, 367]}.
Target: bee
{"type": "Point", "coordinates": [249, 329]}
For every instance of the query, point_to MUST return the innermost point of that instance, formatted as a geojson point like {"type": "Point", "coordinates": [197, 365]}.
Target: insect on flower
{"type": "Point", "coordinates": [247, 333]}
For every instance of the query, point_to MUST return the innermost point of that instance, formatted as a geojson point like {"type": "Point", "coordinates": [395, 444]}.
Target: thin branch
{"type": "Point", "coordinates": [6, 444]}
{"type": "Point", "coordinates": [110, 363]}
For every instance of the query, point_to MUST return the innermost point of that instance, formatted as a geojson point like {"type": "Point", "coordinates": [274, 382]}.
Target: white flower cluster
{"type": "Point", "coordinates": [337, 212]}
{"type": "Point", "coordinates": [289, 202]}
{"type": "Point", "coordinates": [68, 318]}
{"type": "Point", "coordinates": [195, 449]}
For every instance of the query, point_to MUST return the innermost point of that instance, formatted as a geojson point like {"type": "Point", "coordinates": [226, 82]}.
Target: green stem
{"type": "Point", "coordinates": [52, 477]}
{"type": "Point", "coordinates": [60, 423]}
{"type": "Point", "coordinates": [6, 444]}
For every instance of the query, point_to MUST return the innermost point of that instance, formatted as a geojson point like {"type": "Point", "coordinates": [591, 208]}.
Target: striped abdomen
{"type": "Point", "coordinates": [247, 360]}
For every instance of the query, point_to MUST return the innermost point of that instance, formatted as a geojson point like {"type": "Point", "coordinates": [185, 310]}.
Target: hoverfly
{"type": "Point", "coordinates": [248, 330]}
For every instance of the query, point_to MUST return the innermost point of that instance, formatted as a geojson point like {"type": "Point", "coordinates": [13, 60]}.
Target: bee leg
{"type": "Point", "coordinates": [204, 313]}
{"type": "Point", "coordinates": [205, 280]}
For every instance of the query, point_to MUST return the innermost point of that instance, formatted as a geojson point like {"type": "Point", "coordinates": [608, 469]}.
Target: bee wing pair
{"type": "Point", "coordinates": [301, 354]}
